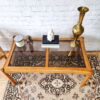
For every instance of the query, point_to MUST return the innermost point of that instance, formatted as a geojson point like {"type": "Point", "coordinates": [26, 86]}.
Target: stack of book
{"type": "Point", "coordinates": [50, 44]}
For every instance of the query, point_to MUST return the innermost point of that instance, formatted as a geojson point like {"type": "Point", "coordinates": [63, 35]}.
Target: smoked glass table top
{"type": "Point", "coordinates": [34, 55]}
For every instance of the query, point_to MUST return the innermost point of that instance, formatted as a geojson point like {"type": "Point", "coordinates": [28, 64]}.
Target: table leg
{"type": "Point", "coordinates": [85, 79]}
{"type": "Point", "coordinates": [9, 77]}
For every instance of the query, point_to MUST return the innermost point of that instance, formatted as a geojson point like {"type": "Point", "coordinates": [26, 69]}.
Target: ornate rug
{"type": "Point", "coordinates": [39, 86]}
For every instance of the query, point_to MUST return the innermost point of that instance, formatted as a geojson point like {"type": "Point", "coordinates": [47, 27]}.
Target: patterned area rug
{"type": "Point", "coordinates": [39, 86]}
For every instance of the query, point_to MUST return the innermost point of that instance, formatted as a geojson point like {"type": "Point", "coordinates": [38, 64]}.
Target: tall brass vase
{"type": "Point", "coordinates": [78, 29]}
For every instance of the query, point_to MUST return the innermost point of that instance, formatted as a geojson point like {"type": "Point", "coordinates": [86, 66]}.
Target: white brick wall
{"type": "Point", "coordinates": [37, 17]}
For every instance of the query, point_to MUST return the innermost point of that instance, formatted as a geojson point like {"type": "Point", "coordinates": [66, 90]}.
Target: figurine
{"type": "Point", "coordinates": [29, 43]}
{"type": "Point", "coordinates": [50, 36]}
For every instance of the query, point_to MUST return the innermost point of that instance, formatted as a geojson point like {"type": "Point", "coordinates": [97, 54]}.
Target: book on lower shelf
{"type": "Point", "coordinates": [50, 44]}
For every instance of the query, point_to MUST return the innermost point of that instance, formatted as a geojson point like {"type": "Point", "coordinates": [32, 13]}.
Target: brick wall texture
{"type": "Point", "coordinates": [37, 17]}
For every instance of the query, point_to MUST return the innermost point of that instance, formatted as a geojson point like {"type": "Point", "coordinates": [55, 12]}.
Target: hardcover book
{"type": "Point", "coordinates": [50, 44]}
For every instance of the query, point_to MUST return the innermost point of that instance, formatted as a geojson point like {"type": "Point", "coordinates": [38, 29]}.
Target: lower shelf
{"type": "Point", "coordinates": [56, 59]}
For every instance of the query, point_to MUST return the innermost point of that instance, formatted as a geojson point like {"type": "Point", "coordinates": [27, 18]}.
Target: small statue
{"type": "Point", "coordinates": [29, 44]}
{"type": "Point", "coordinates": [50, 35]}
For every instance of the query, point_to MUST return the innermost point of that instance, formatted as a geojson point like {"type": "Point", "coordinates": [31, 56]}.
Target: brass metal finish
{"type": "Point", "coordinates": [78, 29]}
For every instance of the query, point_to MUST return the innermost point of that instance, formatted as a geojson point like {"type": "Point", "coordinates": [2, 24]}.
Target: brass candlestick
{"type": "Point", "coordinates": [78, 29]}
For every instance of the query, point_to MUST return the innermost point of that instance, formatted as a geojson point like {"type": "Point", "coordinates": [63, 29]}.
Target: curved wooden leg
{"type": "Point", "coordinates": [9, 77]}
{"type": "Point", "coordinates": [86, 78]}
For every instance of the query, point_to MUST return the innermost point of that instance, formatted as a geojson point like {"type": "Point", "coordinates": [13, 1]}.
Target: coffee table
{"type": "Point", "coordinates": [48, 60]}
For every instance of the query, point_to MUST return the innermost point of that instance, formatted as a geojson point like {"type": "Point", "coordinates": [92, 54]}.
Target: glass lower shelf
{"type": "Point", "coordinates": [28, 59]}
{"type": "Point", "coordinates": [61, 59]}
{"type": "Point", "coordinates": [38, 58]}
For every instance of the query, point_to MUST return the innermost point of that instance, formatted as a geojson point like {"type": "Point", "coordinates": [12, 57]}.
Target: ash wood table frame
{"type": "Point", "coordinates": [46, 69]}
